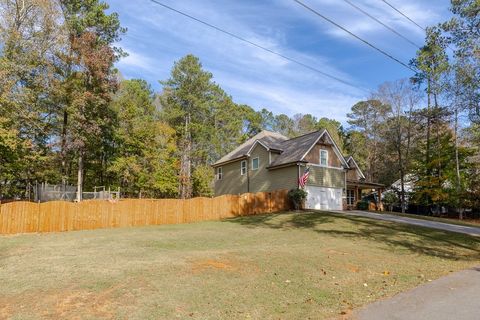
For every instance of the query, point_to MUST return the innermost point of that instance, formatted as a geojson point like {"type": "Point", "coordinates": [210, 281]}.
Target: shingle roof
{"type": "Point", "coordinates": [292, 150]}
{"type": "Point", "coordinates": [271, 140]}
{"type": "Point", "coordinates": [295, 148]}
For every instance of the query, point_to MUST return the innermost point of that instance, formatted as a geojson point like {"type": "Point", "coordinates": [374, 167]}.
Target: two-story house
{"type": "Point", "coordinates": [270, 161]}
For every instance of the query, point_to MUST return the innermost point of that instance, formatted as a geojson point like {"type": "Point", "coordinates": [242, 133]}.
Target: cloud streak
{"type": "Point", "coordinates": [158, 37]}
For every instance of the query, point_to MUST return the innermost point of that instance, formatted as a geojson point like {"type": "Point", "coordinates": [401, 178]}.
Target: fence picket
{"type": "Point", "coordinates": [56, 216]}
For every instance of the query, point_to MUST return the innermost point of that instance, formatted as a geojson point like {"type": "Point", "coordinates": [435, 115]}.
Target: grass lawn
{"type": "Point", "coordinates": [283, 266]}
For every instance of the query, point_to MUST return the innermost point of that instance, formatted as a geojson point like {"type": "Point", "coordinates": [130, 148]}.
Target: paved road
{"type": "Point", "coordinates": [454, 297]}
{"type": "Point", "coordinates": [474, 231]}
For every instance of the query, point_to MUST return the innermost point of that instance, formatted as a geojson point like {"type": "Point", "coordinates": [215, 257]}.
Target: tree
{"type": "Point", "coordinates": [368, 117]}
{"type": "Point", "coordinates": [284, 125]}
{"type": "Point", "coordinates": [203, 181]}
{"type": "Point", "coordinates": [463, 31]}
{"type": "Point", "coordinates": [86, 78]}
{"type": "Point", "coordinates": [26, 75]}
{"type": "Point", "coordinates": [206, 121]}
{"type": "Point", "coordinates": [143, 161]}
{"type": "Point", "coordinates": [402, 99]}
{"type": "Point", "coordinates": [433, 66]}
{"type": "Point", "coordinates": [356, 146]}
{"type": "Point", "coordinates": [335, 129]}
{"type": "Point", "coordinates": [304, 123]}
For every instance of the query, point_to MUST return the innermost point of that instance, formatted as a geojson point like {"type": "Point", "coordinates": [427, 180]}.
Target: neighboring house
{"type": "Point", "coordinates": [408, 186]}
{"type": "Point", "coordinates": [270, 161]}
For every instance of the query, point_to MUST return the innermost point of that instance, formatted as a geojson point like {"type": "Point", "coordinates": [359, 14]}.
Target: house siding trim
{"type": "Point", "coordinates": [335, 148]}
{"type": "Point", "coordinates": [326, 177]}
{"type": "Point", "coordinates": [328, 167]}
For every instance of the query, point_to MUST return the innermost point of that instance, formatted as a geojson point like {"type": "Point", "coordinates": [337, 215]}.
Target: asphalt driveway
{"type": "Point", "coordinates": [473, 231]}
{"type": "Point", "coordinates": [452, 297]}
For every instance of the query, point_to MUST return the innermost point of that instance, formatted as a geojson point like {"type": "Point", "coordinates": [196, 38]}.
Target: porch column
{"type": "Point", "coordinates": [380, 204]}
{"type": "Point", "coordinates": [357, 195]}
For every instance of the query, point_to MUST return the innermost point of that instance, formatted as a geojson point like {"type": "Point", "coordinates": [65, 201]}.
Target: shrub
{"type": "Point", "coordinates": [362, 205]}
{"type": "Point", "coordinates": [297, 197]}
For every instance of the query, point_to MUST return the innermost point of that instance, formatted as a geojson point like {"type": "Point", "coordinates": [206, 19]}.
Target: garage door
{"type": "Point", "coordinates": [322, 198]}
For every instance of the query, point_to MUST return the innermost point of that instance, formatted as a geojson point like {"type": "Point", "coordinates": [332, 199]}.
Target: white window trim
{"type": "Point", "coordinates": [258, 163]}
{"type": "Point", "coordinates": [219, 174]}
{"type": "Point", "coordinates": [320, 158]}
{"type": "Point", "coordinates": [352, 197]}
{"type": "Point", "coordinates": [328, 167]}
{"type": "Point", "coordinates": [242, 167]}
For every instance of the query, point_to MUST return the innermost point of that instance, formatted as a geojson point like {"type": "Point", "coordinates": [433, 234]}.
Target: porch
{"type": "Point", "coordinates": [355, 193]}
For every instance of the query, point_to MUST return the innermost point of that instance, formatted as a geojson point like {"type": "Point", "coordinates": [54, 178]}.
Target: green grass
{"type": "Point", "coordinates": [283, 266]}
{"type": "Point", "coordinates": [474, 223]}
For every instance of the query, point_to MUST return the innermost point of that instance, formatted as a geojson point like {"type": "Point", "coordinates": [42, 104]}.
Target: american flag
{"type": "Point", "coordinates": [302, 181]}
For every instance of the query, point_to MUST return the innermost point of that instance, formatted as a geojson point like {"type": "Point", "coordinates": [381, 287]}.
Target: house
{"type": "Point", "coordinates": [270, 161]}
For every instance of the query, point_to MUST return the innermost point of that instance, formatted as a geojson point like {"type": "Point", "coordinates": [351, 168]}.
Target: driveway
{"type": "Point", "coordinates": [455, 296]}
{"type": "Point", "coordinates": [473, 231]}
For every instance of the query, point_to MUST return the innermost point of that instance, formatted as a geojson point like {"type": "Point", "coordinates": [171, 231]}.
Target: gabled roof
{"type": "Point", "coordinates": [270, 140]}
{"type": "Point", "coordinates": [351, 162]}
{"type": "Point", "coordinates": [291, 150]}
{"type": "Point", "coordinates": [295, 149]}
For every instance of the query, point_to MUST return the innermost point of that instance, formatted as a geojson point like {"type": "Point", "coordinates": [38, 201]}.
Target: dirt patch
{"type": "Point", "coordinates": [353, 268]}
{"type": "Point", "coordinates": [337, 252]}
{"type": "Point", "coordinates": [68, 303]}
{"type": "Point", "coordinates": [71, 304]}
{"type": "Point", "coordinates": [209, 264]}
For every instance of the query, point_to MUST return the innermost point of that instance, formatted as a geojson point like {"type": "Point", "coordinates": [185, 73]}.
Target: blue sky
{"type": "Point", "coordinates": [157, 37]}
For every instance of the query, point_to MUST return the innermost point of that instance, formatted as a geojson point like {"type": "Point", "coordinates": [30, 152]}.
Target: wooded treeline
{"type": "Point", "coordinates": [68, 117]}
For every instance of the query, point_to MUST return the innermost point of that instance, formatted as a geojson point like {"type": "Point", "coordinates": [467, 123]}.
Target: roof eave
{"type": "Point", "coordinates": [292, 163]}
{"type": "Point", "coordinates": [218, 164]}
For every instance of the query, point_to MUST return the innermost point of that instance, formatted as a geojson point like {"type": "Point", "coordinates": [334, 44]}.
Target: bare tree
{"type": "Point", "coordinates": [402, 99]}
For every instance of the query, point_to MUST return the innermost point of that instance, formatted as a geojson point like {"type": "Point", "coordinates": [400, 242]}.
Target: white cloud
{"type": "Point", "coordinates": [423, 12]}
{"type": "Point", "coordinates": [157, 37]}
{"type": "Point", "coordinates": [135, 60]}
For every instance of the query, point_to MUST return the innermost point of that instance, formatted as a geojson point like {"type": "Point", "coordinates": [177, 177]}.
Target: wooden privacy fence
{"type": "Point", "coordinates": [54, 216]}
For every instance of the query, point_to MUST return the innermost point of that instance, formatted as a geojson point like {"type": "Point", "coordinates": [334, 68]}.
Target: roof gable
{"type": "Point", "coordinates": [268, 139]}
{"type": "Point", "coordinates": [335, 147]}
{"type": "Point", "coordinates": [353, 164]}
{"type": "Point", "coordinates": [291, 150]}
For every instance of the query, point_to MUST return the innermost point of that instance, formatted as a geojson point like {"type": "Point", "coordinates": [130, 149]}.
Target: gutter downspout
{"type": "Point", "coordinates": [248, 175]}
{"type": "Point", "coordinates": [298, 175]}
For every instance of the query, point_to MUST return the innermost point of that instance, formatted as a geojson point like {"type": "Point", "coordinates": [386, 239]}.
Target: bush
{"type": "Point", "coordinates": [297, 197]}
{"type": "Point", "coordinates": [362, 205]}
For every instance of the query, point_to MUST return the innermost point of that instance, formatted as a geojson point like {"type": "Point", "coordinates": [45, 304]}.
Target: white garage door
{"type": "Point", "coordinates": [324, 198]}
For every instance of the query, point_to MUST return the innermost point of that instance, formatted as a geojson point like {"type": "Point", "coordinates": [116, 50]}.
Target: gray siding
{"type": "Point", "coordinates": [326, 177]}
{"type": "Point", "coordinates": [283, 178]}
{"type": "Point", "coordinates": [264, 179]}
{"type": "Point", "coordinates": [261, 179]}
{"type": "Point", "coordinates": [232, 182]}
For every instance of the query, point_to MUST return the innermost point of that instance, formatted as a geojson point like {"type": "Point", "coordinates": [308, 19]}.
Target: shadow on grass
{"type": "Point", "coordinates": [416, 239]}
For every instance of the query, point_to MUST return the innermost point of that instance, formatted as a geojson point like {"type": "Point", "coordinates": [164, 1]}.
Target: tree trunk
{"type": "Point", "coordinates": [185, 163]}
{"type": "Point", "coordinates": [437, 122]}
{"type": "Point", "coordinates": [427, 152]}
{"type": "Point", "coordinates": [80, 177]}
{"type": "Point", "coordinates": [402, 171]}
{"type": "Point", "coordinates": [63, 151]}
{"type": "Point", "coordinates": [457, 167]}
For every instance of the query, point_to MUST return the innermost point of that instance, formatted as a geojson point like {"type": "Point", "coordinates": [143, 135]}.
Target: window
{"type": "Point", "coordinates": [219, 173]}
{"type": "Point", "coordinates": [350, 197]}
{"type": "Point", "coordinates": [323, 157]}
{"type": "Point", "coordinates": [255, 163]}
{"type": "Point", "coordinates": [243, 167]}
